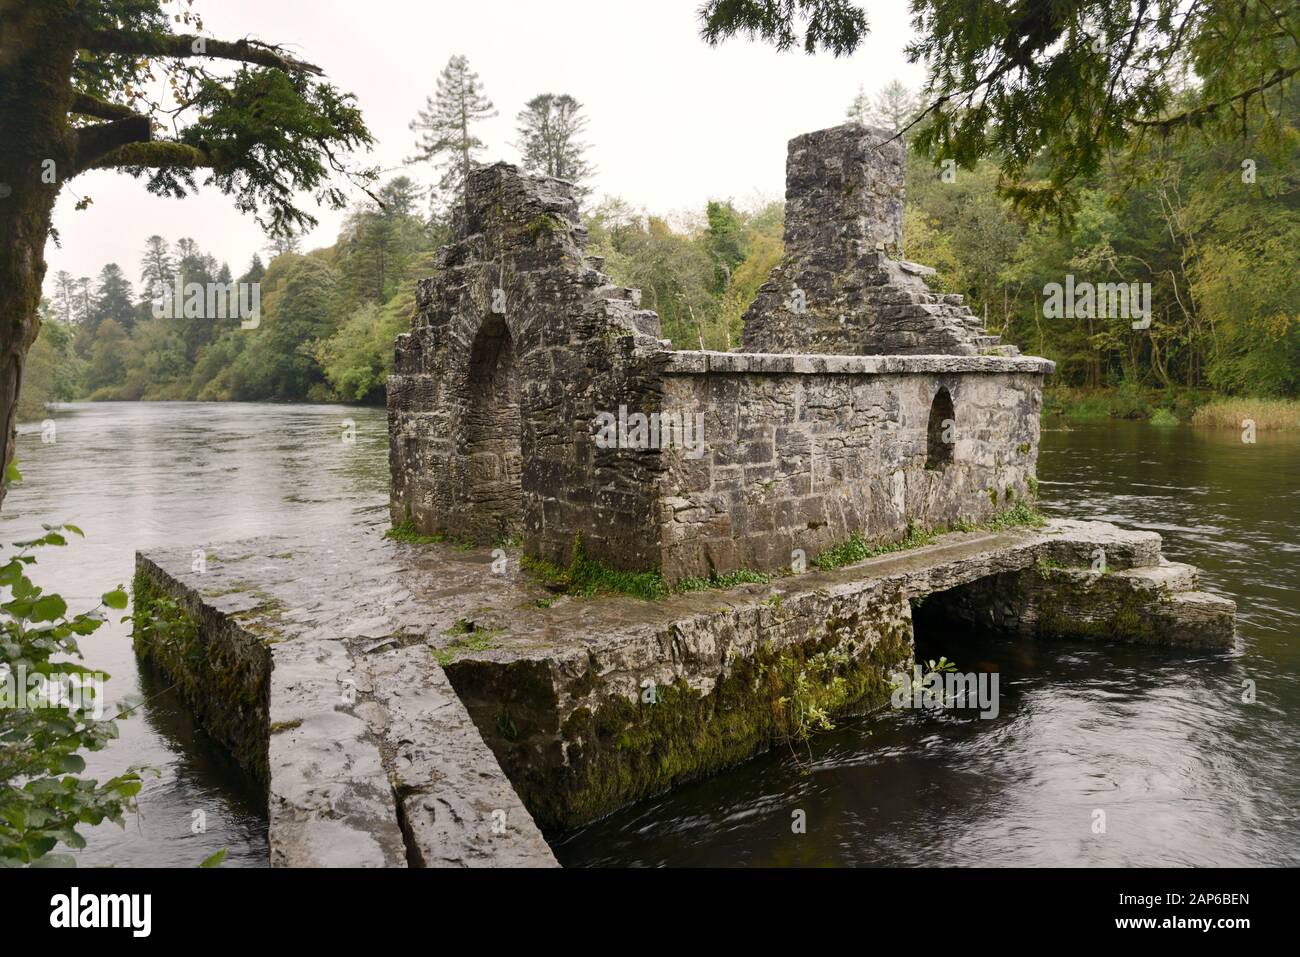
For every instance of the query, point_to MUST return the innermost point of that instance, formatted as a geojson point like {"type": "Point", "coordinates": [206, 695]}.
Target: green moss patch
{"type": "Point", "coordinates": [617, 750]}
{"type": "Point", "coordinates": [224, 678]}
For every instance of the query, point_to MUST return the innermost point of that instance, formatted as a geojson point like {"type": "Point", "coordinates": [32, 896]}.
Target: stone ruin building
{"type": "Point", "coordinates": [862, 402]}
{"type": "Point", "coordinates": [403, 705]}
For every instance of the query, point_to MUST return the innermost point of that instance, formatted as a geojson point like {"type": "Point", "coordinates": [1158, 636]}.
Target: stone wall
{"type": "Point", "coordinates": [518, 341]}
{"type": "Point", "coordinates": [802, 452]}
{"type": "Point", "coordinates": [842, 286]}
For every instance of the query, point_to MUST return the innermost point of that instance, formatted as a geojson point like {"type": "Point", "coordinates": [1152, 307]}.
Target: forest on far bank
{"type": "Point", "coordinates": [1214, 232]}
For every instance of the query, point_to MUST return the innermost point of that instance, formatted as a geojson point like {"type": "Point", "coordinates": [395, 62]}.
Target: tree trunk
{"type": "Point", "coordinates": [37, 46]}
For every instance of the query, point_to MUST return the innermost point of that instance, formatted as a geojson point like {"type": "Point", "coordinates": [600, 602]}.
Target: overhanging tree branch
{"type": "Point", "coordinates": [94, 142]}
{"type": "Point", "coordinates": [89, 105]}
{"type": "Point", "coordinates": [161, 154]}
{"type": "Point", "coordinates": [1192, 115]}
{"type": "Point", "coordinates": [187, 45]}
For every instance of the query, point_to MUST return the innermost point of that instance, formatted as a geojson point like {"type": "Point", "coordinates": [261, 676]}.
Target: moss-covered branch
{"type": "Point", "coordinates": [95, 142]}
{"type": "Point", "coordinates": [89, 105]}
{"type": "Point", "coordinates": [187, 45]}
{"type": "Point", "coordinates": [156, 155]}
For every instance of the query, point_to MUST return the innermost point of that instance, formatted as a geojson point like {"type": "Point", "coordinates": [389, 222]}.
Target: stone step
{"type": "Point", "coordinates": [1196, 619]}
{"type": "Point", "coordinates": [1165, 576]}
{"type": "Point", "coordinates": [1162, 580]}
{"type": "Point", "coordinates": [1075, 543]}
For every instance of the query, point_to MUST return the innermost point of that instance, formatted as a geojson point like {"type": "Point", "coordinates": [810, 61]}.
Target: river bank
{"type": "Point", "coordinates": [1169, 407]}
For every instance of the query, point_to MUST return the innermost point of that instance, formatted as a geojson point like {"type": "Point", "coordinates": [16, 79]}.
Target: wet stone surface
{"type": "Point", "coordinates": [428, 701]}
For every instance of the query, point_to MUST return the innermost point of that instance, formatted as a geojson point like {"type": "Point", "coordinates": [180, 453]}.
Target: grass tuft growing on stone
{"type": "Point", "coordinates": [470, 637]}
{"type": "Point", "coordinates": [1020, 515]}
{"type": "Point", "coordinates": [586, 577]}
{"type": "Point", "coordinates": [406, 531]}
{"type": "Point", "coordinates": [743, 576]}
{"type": "Point", "coordinates": [857, 549]}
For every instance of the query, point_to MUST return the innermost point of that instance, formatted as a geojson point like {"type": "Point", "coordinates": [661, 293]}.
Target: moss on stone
{"type": "Point", "coordinates": [617, 750]}
{"type": "Point", "coordinates": [224, 679]}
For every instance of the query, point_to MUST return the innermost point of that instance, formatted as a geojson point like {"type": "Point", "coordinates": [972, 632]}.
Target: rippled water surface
{"type": "Point", "coordinates": [1185, 772]}
{"type": "Point", "coordinates": [144, 475]}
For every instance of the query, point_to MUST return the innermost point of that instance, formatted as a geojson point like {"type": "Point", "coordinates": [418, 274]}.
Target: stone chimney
{"type": "Point", "coordinates": [842, 286]}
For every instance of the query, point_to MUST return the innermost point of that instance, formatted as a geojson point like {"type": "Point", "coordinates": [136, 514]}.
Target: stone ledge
{"type": "Point", "coordinates": [683, 362]}
{"type": "Point", "coordinates": [370, 760]}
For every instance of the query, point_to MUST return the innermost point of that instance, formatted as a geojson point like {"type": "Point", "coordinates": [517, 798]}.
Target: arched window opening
{"type": "Point", "coordinates": [941, 432]}
{"type": "Point", "coordinates": [493, 435]}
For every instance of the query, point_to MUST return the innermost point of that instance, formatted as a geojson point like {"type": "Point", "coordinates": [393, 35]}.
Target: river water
{"type": "Point", "coordinates": [148, 475]}
{"type": "Point", "coordinates": [1181, 770]}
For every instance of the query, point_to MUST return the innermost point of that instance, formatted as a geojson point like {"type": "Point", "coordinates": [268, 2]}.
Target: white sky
{"type": "Point", "coordinates": [672, 123]}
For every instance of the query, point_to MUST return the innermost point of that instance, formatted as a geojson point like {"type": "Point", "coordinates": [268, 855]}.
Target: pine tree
{"type": "Point", "coordinates": [278, 244]}
{"type": "Point", "coordinates": [549, 127]}
{"type": "Point", "coordinates": [860, 108]}
{"type": "Point", "coordinates": [893, 108]}
{"type": "Point", "coordinates": [256, 270]}
{"type": "Point", "coordinates": [82, 300]}
{"type": "Point", "coordinates": [156, 267]}
{"type": "Point", "coordinates": [65, 296]}
{"type": "Point", "coordinates": [114, 299]}
{"type": "Point", "coordinates": [446, 124]}
{"type": "Point", "coordinates": [379, 239]}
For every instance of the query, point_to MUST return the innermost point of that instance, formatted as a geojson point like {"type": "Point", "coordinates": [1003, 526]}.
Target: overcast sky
{"type": "Point", "coordinates": [672, 123]}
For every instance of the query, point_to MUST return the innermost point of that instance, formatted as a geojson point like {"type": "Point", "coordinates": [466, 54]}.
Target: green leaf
{"type": "Point", "coordinates": [49, 608]}
{"type": "Point", "coordinates": [72, 764]}
{"type": "Point", "coordinates": [215, 859]}
{"type": "Point", "coordinates": [12, 474]}
{"type": "Point", "coordinates": [116, 598]}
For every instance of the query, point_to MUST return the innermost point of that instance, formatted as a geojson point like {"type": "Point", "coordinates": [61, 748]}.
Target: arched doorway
{"type": "Point", "coordinates": [941, 431]}
{"type": "Point", "coordinates": [494, 505]}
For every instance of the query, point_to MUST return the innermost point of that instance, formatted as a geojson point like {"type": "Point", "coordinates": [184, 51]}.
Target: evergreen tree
{"type": "Point", "coordinates": [255, 270]}
{"type": "Point", "coordinates": [446, 125]}
{"type": "Point", "coordinates": [82, 299]}
{"type": "Point", "coordinates": [65, 296]}
{"type": "Point", "coordinates": [280, 244]}
{"type": "Point", "coordinates": [280, 363]}
{"type": "Point", "coordinates": [1055, 90]}
{"type": "Point", "coordinates": [549, 127]}
{"type": "Point", "coordinates": [157, 267]}
{"type": "Point", "coordinates": [377, 242]}
{"type": "Point", "coordinates": [114, 299]}
{"type": "Point", "coordinates": [859, 109]}
{"type": "Point", "coordinates": [75, 82]}
{"type": "Point", "coordinates": [893, 108]}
